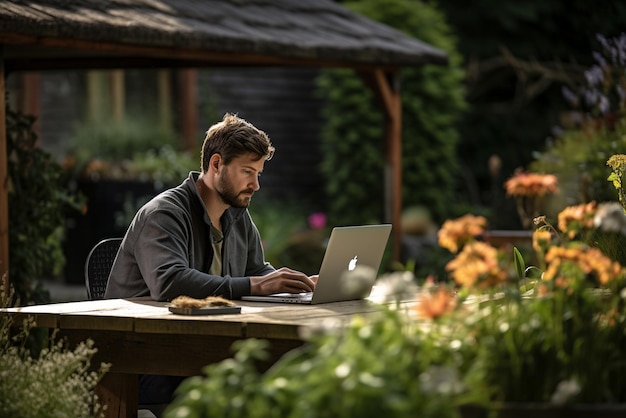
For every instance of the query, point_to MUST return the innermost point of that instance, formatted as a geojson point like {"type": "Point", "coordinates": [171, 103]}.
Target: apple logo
{"type": "Point", "coordinates": [352, 263]}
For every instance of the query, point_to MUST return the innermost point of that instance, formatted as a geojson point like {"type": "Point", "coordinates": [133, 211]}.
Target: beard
{"type": "Point", "coordinates": [232, 197]}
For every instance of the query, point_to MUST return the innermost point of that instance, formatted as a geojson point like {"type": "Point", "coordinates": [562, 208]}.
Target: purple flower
{"type": "Point", "coordinates": [594, 75]}
{"type": "Point", "coordinates": [569, 96]}
{"type": "Point", "coordinates": [317, 220]}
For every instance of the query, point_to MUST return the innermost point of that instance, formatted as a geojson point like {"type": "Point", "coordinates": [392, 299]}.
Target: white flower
{"type": "Point", "coordinates": [610, 217]}
{"type": "Point", "coordinates": [328, 326]}
{"type": "Point", "coordinates": [442, 380]}
{"type": "Point", "coordinates": [565, 390]}
{"type": "Point", "coordinates": [395, 286]}
{"type": "Point", "coordinates": [342, 370]}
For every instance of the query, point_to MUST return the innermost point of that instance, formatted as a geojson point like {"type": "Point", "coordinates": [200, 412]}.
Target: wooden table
{"type": "Point", "coordinates": [139, 336]}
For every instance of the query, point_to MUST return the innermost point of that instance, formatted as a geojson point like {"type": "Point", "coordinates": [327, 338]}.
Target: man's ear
{"type": "Point", "coordinates": [215, 161]}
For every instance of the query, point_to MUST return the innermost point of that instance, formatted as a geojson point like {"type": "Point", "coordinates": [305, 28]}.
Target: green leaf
{"type": "Point", "coordinates": [614, 177]}
{"type": "Point", "coordinates": [533, 272]}
{"type": "Point", "coordinates": [520, 265]}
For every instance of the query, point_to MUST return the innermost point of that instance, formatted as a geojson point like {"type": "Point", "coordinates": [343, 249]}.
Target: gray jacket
{"type": "Point", "coordinates": [167, 250]}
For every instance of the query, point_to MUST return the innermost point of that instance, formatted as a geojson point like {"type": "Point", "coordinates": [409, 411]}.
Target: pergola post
{"type": "Point", "coordinates": [4, 183]}
{"type": "Point", "coordinates": [189, 107]}
{"type": "Point", "coordinates": [386, 85]}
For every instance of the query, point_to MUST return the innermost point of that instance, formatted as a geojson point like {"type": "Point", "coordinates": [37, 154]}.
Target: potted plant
{"type": "Point", "coordinates": [117, 166]}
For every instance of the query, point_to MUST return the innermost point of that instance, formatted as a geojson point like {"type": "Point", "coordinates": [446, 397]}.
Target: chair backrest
{"type": "Point", "coordinates": [98, 265]}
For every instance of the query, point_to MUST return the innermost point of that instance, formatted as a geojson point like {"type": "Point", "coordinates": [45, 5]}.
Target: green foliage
{"type": "Point", "coordinates": [353, 145]}
{"type": "Point", "coordinates": [37, 204]}
{"type": "Point", "coordinates": [116, 140]}
{"type": "Point", "coordinates": [57, 382]}
{"type": "Point", "coordinates": [287, 241]}
{"type": "Point", "coordinates": [530, 347]}
{"type": "Point", "coordinates": [552, 338]}
{"type": "Point", "coordinates": [130, 149]}
{"type": "Point", "coordinates": [352, 149]}
{"type": "Point", "coordinates": [578, 158]}
{"type": "Point", "coordinates": [617, 162]}
{"type": "Point", "coordinates": [164, 166]}
{"type": "Point", "coordinates": [380, 367]}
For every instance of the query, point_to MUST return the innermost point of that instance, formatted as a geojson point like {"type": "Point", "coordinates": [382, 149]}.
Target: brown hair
{"type": "Point", "coordinates": [233, 137]}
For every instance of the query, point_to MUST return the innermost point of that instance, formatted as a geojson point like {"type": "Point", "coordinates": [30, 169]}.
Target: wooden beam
{"type": "Point", "coordinates": [189, 108]}
{"type": "Point", "coordinates": [387, 87]}
{"type": "Point", "coordinates": [118, 95]}
{"type": "Point", "coordinates": [4, 183]}
{"type": "Point", "coordinates": [79, 53]}
{"type": "Point", "coordinates": [28, 100]}
{"type": "Point", "coordinates": [97, 96]}
{"type": "Point", "coordinates": [164, 92]}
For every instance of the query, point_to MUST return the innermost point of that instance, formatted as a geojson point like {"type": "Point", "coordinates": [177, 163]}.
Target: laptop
{"type": "Point", "coordinates": [348, 246]}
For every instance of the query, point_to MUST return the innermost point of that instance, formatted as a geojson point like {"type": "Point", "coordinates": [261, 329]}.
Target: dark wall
{"type": "Point", "coordinates": [282, 102]}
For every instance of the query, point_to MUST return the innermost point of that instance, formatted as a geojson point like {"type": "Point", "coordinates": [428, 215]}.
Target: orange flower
{"type": "Point", "coordinates": [542, 238]}
{"type": "Point", "coordinates": [456, 233]}
{"type": "Point", "coordinates": [574, 219]}
{"type": "Point", "coordinates": [531, 184]}
{"type": "Point", "coordinates": [477, 265]}
{"type": "Point", "coordinates": [590, 261]}
{"type": "Point", "coordinates": [434, 305]}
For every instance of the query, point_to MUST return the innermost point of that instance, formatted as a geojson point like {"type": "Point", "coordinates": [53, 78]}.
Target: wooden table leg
{"type": "Point", "coordinates": [119, 392]}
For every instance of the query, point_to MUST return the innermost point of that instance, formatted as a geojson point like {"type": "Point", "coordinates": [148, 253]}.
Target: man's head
{"type": "Point", "coordinates": [233, 137]}
{"type": "Point", "coordinates": [233, 156]}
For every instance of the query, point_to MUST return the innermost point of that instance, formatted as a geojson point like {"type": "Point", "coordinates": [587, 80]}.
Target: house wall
{"type": "Point", "coordinates": [282, 102]}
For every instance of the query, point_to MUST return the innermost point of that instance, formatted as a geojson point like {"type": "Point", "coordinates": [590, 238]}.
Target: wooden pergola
{"type": "Point", "coordinates": [72, 34]}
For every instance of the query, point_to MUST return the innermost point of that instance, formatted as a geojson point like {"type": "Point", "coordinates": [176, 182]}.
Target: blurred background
{"type": "Point", "coordinates": [512, 98]}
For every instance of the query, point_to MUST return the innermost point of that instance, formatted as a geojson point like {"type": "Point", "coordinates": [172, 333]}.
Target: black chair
{"type": "Point", "coordinates": [98, 265]}
{"type": "Point", "coordinates": [97, 269]}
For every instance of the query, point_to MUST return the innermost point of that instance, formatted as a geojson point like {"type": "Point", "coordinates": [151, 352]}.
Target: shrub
{"type": "Point", "coordinates": [37, 205]}
{"type": "Point", "coordinates": [57, 382]}
{"type": "Point", "coordinates": [353, 146]}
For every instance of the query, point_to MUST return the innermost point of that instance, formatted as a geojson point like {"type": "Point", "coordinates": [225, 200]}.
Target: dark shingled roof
{"type": "Point", "coordinates": [246, 32]}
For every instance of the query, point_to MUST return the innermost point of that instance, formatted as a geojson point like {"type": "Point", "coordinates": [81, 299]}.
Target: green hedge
{"type": "Point", "coordinates": [353, 145]}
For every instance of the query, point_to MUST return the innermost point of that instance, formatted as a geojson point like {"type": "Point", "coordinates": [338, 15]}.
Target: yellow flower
{"type": "Point", "coordinates": [542, 238]}
{"type": "Point", "coordinates": [589, 261]}
{"type": "Point", "coordinates": [574, 219]}
{"type": "Point", "coordinates": [617, 162]}
{"type": "Point", "coordinates": [456, 233]}
{"type": "Point", "coordinates": [477, 265]}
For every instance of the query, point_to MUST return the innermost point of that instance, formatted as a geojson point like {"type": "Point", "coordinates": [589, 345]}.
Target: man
{"type": "Point", "coordinates": [198, 238]}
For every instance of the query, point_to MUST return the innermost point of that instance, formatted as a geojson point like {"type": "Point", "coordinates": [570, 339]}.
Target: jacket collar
{"type": "Point", "coordinates": [230, 215]}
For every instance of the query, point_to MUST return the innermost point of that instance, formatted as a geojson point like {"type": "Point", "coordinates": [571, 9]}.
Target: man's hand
{"type": "Point", "coordinates": [282, 280]}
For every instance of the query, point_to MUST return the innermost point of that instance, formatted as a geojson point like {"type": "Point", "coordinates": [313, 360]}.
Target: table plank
{"type": "Point", "coordinates": [193, 325]}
